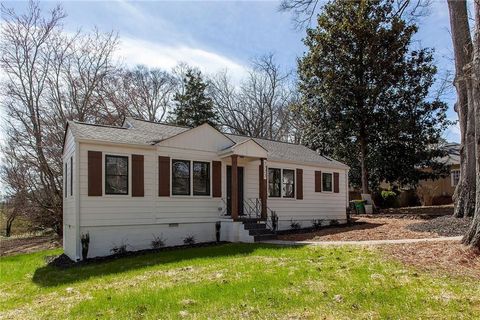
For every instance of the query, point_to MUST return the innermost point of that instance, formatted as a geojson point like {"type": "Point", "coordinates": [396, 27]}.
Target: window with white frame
{"type": "Point", "coordinates": [281, 183]}
{"type": "Point", "coordinates": [188, 176]}
{"type": "Point", "coordinates": [274, 182]}
{"type": "Point", "coordinates": [201, 178]}
{"type": "Point", "coordinates": [181, 177]}
{"type": "Point", "coordinates": [116, 174]}
{"type": "Point", "coordinates": [455, 177]}
{"type": "Point", "coordinates": [288, 179]}
{"type": "Point", "coordinates": [327, 184]}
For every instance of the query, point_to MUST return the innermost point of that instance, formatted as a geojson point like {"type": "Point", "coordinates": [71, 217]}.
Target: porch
{"type": "Point", "coordinates": [238, 159]}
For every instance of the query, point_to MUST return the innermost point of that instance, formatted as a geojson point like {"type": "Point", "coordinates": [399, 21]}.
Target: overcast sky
{"type": "Point", "coordinates": [216, 35]}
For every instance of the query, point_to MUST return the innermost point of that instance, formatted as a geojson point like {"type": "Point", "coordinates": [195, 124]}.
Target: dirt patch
{"type": "Point", "coordinates": [446, 226]}
{"type": "Point", "coordinates": [365, 229]}
{"type": "Point", "coordinates": [14, 245]}
{"type": "Point", "coordinates": [451, 257]}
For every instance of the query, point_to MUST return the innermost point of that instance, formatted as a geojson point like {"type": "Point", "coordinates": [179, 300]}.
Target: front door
{"type": "Point", "coordinates": [240, 190]}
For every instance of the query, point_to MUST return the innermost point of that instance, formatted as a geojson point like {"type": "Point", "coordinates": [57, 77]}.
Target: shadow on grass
{"type": "Point", "coordinates": [49, 276]}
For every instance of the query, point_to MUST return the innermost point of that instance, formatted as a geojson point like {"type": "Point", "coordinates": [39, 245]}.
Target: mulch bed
{"type": "Point", "coordinates": [363, 228]}
{"type": "Point", "coordinates": [447, 258]}
{"type": "Point", "coordinates": [445, 226]}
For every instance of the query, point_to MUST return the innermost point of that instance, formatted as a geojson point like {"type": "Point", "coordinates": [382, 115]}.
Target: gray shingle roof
{"type": "Point", "coordinates": [143, 132]}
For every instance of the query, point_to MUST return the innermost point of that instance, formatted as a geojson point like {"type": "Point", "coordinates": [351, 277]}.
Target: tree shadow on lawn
{"type": "Point", "coordinates": [50, 276]}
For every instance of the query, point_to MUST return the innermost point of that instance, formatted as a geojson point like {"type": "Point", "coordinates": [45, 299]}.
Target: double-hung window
{"type": "Point", "coordinates": [181, 177]}
{"type": "Point", "coordinates": [281, 183]}
{"type": "Point", "coordinates": [274, 183]}
{"type": "Point", "coordinates": [327, 184]}
{"type": "Point", "coordinates": [187, 175]}
{"type": "Point", "coordinates": [201, 178]}
{"type": "Point", "coordinates": [288, 183]}
{"type": "Point", "coordinates": [455, 177]}
{"type": "Point", "coordinates": [116, 174]}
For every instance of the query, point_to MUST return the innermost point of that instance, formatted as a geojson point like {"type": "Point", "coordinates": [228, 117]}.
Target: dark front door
{"type": "Point", "coordinates": [240, 190]}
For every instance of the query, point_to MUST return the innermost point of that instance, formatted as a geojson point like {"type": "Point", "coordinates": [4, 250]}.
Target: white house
{"type": "Point", "coordinates": [126, 185]}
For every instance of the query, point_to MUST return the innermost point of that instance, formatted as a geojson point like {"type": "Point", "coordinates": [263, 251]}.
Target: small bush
{"type": "Point", "coordinates": [189, 240]}
{"type": "Point", "coordinates": [389, 198]}
{"type": "Point", "coordinates": [294, 225]}
{"type": "Point", "coordinates": [85, 241]}
{"type": "Point", "coordinates": [274, 219]}
{"type": "Point", "coordinates": [158, 242]}
{"type": "Point", "coordinates": [316, 223]}
{"type": "Point", "coordinates": [121, 249]}
{"type": "Point", "coordinates": [334, 222]}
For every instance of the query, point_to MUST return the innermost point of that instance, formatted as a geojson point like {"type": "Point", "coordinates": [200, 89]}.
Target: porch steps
{"type": "Point", "coordinates": [258, 229]}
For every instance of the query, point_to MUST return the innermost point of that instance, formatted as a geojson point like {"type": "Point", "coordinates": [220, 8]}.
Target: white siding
{"type": "Point", "coordinates": [69, 223]}
{"type": "Point", "coordinates": [112, 220]}
{"type": "Point", "coordinates": [314, 205]}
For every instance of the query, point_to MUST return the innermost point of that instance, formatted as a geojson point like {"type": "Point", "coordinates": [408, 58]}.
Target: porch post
{"type": "Point", "coordinates": [263, 188]}
{"type": "Point", "coordinates": [234, 187]}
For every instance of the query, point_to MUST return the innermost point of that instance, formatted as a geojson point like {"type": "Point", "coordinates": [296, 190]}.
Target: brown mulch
{"type": "Point", "coordinates": [452, 258]}
{"type": "Point", "coordinates": [365, 229]}
{"type": "Point", "coordinates": [10, 246]}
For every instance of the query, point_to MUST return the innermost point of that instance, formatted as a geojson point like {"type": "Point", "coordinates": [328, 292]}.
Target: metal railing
{"type": "Point", "coordinates": [252, 208]}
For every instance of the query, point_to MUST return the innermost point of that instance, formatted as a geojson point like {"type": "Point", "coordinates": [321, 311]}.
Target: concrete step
{"type": "Point", "coordinates": [256, 232]}
{"type": "Point", "coordinates": [254, 226]}
{"type": "Point", "coordinates": [267, 236]}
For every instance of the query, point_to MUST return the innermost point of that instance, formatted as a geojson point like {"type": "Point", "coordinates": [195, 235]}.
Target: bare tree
{"type": "Point", "coordinates": [464, 195]}
{"type": "Point", "coordinates": [49, 77]}
{"type": "Point", "coordinates": [144, 93]}
{"type": "Point", "coordinates": [260, 105]}
{"type": "Point", "coordinates": [472, 237]}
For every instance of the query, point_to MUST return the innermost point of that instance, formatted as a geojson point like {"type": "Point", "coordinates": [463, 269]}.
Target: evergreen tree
{"type": "Point", "coordinates": [193, 106]}
{"type": "Point", "coordinates": [365, 93]}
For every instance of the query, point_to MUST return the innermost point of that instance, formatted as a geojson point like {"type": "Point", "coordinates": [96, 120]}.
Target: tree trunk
{"type": "Point", "coordinates": [464, 195]}
{"type": "Point", "coordinates": [473, 235]}
{"type": "Point", "coordinates": [364, 170]}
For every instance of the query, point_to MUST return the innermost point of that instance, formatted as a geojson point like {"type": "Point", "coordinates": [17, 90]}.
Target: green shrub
{"type": "Point", "coordinates": [389, 198]}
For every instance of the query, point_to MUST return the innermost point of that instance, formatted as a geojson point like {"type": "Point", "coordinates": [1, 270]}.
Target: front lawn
{"type": "Point", "coordinates": [234, 281]}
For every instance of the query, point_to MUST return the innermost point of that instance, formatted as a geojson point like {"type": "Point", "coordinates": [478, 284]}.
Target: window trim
{"type": "Point", "coordinates": [65, 177]}
{"type": "Point", "coordinates": [282, 196]}
{"type": "Point", "coordinates": [105, 174]}
{"type": "Point", "coordinates": [190, 195]}
{"type": "Point", "coordinates": [331, 174]}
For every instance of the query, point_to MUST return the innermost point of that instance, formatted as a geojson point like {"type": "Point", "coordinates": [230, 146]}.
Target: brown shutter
{"type": "Point", "coordinates": [138, 189]}
{"type": "Point", "coordinates": [164, 176]}
{"type": "Point", "coordinates": [260, 184]}
{"type": "Point", "coordinates": [299, 184]}
{"type": "Point", "coordinates": [95, 173]}
{"type": "Point", "coordinates": [318, 181]}
{"type": "Point", "coordinates": [217, 179]}
{"type": "Point", "coordinates": [336, 187]}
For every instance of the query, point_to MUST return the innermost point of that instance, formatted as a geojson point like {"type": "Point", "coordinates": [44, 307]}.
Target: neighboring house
{"type": "Point", "coordinates": [440, 191]}
{"type": "Point", "coordinates": [126, 185]}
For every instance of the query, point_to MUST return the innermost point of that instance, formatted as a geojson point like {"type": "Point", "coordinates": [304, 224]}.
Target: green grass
{"type": "Point", "coordinates": [234, 281]}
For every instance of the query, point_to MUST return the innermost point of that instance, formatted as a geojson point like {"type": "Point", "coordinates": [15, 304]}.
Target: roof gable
{"type": "Point", "coordinates": [203, 137]}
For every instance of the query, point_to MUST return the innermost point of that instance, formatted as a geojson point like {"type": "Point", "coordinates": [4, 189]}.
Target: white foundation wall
{"type": "Point", "coordinates": [323, 206]}
{"type": "Point", "coordinates": [138, 237]}
{"type": "Point", "coordinates": [69, 222]}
